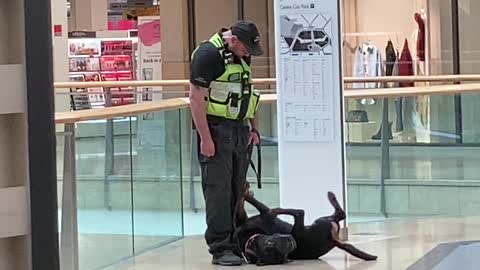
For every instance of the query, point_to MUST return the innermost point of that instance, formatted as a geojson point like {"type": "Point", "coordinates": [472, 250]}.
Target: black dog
{"type": "Point", "coordinates": [265, 239]}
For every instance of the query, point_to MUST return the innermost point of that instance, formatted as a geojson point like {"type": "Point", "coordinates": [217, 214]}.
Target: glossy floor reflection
{"type": "Point", "coordinates": [399, 243]}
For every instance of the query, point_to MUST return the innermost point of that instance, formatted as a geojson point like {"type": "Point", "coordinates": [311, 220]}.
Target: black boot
{"type": "Point", "coordinates": [399, 112]}
{"type": "Point", "coordinates": [228, 258]}
{"type": "Point", "coordinates": [378, 136]}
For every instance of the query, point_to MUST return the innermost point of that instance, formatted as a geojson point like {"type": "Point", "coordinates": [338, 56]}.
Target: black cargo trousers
{"type": "Point", "coordinates": [223, 179]}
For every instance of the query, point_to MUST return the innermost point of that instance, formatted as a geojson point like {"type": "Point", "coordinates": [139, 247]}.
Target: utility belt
{"type": "Point", "coordinates": [212, 119]}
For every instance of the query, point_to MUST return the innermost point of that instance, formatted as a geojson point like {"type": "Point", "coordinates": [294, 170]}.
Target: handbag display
{"type": "Point", "coordinates": [357, 116]}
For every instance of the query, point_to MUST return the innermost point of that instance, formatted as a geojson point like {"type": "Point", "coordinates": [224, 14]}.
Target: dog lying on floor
{"type": "Point", "coordinates": [265, 239]}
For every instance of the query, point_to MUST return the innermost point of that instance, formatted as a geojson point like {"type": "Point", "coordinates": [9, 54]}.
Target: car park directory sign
{"type": "Point", "coordinates": [310, 104]}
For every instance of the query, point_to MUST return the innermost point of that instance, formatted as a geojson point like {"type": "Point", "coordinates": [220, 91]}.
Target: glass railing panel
{"type": "Point", "coordinates": [426, 168]}
{"type": "Point", "coordinates": [470, 112]}
{"type": "Point", "coordinates": [436, 174]}
{"type": "Point", "coordinates": [60, 144]}
{"type": "Point", "coordinates": [363, 119]}
{"type": "Point", "coordinates": [193, 200]}
{"type": "Point", "coordinates": [157, 186]}
{"type": "Point", "coordinates": [362, 131]}
{"type": "Point", "coordinates": [104, 192]}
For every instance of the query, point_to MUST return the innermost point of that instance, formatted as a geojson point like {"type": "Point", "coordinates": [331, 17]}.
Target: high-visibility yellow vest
{"type": "Point", "coordinates": [231, 95]}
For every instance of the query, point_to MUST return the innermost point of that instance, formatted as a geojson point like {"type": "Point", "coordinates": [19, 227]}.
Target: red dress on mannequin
{"type": "Point", "coordinates": [405, 65]}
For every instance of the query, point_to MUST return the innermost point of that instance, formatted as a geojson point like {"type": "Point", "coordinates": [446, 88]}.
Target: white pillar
{"type": "Point", "coordinates": [310, 113]}
{"type": "Point", "coordinates": [60, 39]}
{"type": "Point", "coordinates": [15, 237]}
{"type": "Point", "coordinates": [60, 51]}
{"type": "Point", "coordinates": [89, 15]}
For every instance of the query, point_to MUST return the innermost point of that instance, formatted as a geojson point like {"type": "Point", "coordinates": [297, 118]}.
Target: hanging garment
{"type": "Point", "coordinates": [420, 37]}
{"type": "Point", "coordinates": [368, 63]}
{"type": "Point", "coordinates": [391, 58]}
{"type": "Point", "coordinates": [405, 65]}
{"type": "Point", "coordinates": [405, 68]}
{"type": "Point", "coordinates": [391, 69]}
{"type": "Point", "coordinates": [391, 63]}
{"type": "Point", "coordinates": [395, 68]}
{"type": "Point", "coordinates": [398, 101]}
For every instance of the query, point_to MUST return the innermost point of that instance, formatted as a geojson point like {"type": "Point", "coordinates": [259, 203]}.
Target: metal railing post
{"type": "Point", "coordinates": [193, 170]}
{"type": "Point", "coordinates": [69, 233]}
{"type": "Point", "coordinates": [109, 152]}
{"type": "Point", "coordinates": [180, 149]}
{"type": "Point", "coordinates": [109, 162]}
{"type": "Point", "coordinates": [385, 156]}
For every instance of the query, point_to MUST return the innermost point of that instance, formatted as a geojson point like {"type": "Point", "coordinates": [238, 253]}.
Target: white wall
{"type": "Point", "coordinates": [14, 242]}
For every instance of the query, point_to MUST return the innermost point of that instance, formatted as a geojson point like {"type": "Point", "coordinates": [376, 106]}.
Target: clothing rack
{"type": "Point", "coordinates": [362, 34]}
{"type": "Point", "coordinates": [371, 34]}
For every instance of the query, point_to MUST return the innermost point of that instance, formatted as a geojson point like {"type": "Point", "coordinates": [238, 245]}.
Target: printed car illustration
{"type": "Point", "coordinates": [302, 38]}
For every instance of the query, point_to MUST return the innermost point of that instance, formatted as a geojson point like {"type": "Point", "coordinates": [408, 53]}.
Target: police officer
{"type": "Point", "coordinates": [224, 105]}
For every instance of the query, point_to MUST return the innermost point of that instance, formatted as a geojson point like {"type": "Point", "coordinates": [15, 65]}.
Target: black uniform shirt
{"type": "Point", "coordinates": [208, 64]}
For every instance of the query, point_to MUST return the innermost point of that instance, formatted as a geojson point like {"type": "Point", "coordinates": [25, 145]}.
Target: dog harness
{"type": "Point", "coordinates": [247, 250]}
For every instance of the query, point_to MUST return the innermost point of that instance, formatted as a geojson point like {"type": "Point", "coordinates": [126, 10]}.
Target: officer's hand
{"type": "Point", "coordinates": [207, 147]}
{"type": "Point", "coordinates": [254, 138]}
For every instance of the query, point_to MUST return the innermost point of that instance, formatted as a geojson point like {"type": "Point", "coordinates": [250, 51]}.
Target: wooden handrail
{"type": "Point", "coordinates": [179, 103]}
{"type": "Point", "coordinates": [435, 78]}
{"type": "Point", "coordinates": [121, 111]}
{"type": "Point", "coordinates": [412, 91]}
{"type": "Point", "coordinates": [113, 84]}
{"type": "Point", "coordinates": [133, 109]}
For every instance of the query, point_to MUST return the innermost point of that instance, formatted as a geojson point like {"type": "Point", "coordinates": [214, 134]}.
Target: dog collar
{"type": "Point", "coordinates": [247, 249]}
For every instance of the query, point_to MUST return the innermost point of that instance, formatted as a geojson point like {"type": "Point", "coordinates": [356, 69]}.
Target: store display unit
{"type": "Point", "coordinates": [390, 44]}
{"type": "Point", "coordinates": [101, 59]}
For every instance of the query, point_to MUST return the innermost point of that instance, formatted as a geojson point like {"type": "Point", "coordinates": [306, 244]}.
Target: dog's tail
{"type": "Point", "coordinates": [356, 252]}
{"type": "Point", "coordinates": [349, 247]}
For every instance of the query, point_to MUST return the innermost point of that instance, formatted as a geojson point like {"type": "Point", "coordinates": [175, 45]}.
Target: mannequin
{"type": "Point", "coordinates": [405, 68]}
{"type": "Point", "coordinates": [391, 67]}
{"type": "Point", "coordinates": [420, 37]}
{"type": "Point", "coordinates": [419, 105]}
{"type": "Point", "coordinates": [392, 70]}
{"type": "Point", "coordinates": [422, 112]}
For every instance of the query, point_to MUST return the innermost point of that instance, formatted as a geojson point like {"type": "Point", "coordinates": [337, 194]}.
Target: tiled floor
{"type": "Point", "coordinates": [106, 236]}
{"type": "Point", "coordinates": [398, 243]}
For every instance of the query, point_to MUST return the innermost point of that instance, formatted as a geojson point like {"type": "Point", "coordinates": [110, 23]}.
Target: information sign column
{"type": "Point", "coordinates": [310, 105]}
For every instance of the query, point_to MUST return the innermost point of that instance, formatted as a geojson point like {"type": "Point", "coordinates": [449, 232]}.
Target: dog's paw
{"type": "Point", "coordinates": [331, 196]}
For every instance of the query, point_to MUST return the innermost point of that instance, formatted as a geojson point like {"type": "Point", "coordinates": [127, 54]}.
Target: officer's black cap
{"type": "Point", "coordinates": [248, 34]}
